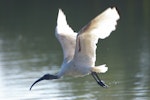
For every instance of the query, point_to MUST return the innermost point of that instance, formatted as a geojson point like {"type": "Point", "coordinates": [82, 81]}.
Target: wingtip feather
{"type": "Point", "coordinates": [61, 19]}
{"type": "Point", "coordinates": [107, 21]}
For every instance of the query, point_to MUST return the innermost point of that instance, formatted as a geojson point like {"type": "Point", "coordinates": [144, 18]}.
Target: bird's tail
{"type": "Point", "coordinates": [100, 69]}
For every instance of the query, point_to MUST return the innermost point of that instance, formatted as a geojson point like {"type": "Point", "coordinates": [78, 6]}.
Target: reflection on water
{"type": "Point", "coordinates": [19, 69]}
{"type": "Point", "coordinates": [26, 56]}
{"type": "Point", "coordinates": [143, 74]}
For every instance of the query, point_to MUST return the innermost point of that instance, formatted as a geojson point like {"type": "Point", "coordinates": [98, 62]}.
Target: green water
{"type": "Point", "coordinates": [29, 49]}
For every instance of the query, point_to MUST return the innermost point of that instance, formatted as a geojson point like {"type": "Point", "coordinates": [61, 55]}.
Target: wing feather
{"type": "Point", "coordinates": [66, 36]}
{"type": "Point", "coordinates": [99, 28]}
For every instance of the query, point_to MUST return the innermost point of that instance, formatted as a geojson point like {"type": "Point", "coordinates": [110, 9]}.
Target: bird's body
{"type": "Point", "coordinates": [79, 49]}
{"type": "Point", "coordinates": [73, 69]}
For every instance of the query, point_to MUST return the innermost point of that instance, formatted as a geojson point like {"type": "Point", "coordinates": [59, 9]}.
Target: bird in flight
{"type": "Point", "coordinates": [79, 49]}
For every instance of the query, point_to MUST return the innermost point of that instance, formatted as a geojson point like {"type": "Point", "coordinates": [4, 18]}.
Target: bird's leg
{"type": "Point", "coordinates": [98, 80]}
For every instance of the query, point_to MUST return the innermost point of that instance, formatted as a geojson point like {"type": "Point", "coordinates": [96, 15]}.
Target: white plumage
{"type": "Point", "coordinates": [79, 49]}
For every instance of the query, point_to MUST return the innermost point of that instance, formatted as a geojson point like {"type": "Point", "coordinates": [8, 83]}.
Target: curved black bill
{"type": "Point", "coordinates": [45, 77]}
{"type": "Point", "coordinates": [40, 79]}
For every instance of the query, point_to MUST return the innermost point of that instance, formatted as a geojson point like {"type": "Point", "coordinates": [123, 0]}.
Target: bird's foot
{"type": "Point", "coordinates": [98, 80]}
{"type": "Point", "coordinates": [102, 83]}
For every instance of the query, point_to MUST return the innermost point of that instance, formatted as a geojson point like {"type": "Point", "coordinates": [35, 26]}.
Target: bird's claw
{"type": "Point", "coordinates": [98, 80]}
{"type": "Point", "coordinates": [102, 83]}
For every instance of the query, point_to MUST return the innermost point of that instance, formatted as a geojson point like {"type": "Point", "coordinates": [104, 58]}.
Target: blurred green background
{"type": "Point", "coordinates": [29, 48]}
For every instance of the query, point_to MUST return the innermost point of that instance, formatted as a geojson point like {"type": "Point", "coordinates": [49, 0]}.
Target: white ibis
{"type": "Point", "coordinates": [79, 49]}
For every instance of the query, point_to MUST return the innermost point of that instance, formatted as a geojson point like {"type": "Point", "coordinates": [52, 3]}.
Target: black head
{"type": "Point", "coordinates": [45, 77]}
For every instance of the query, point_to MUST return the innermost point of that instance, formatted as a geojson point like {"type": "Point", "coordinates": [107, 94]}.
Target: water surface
{"type": "Point", "coordinates": [29, 49]}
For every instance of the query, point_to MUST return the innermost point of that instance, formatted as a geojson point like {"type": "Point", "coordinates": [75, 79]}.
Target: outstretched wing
{"type": "Point", "coordinates": [66, 36]}
{"type": "Point", "coordinates": [99, 28]}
